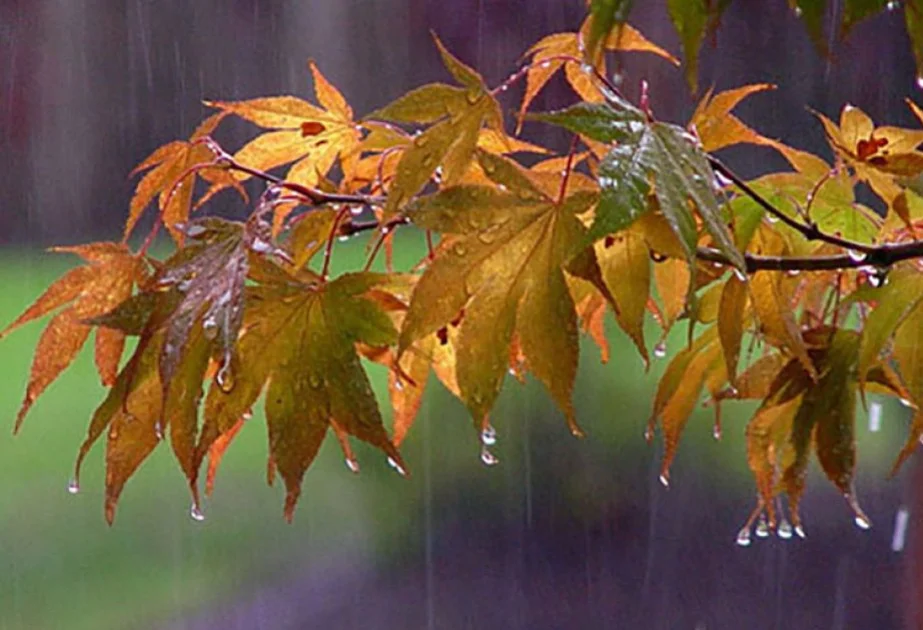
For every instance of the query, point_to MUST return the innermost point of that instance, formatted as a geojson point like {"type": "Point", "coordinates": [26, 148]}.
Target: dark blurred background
{"type": "Point", "coordinates": [562, 533]}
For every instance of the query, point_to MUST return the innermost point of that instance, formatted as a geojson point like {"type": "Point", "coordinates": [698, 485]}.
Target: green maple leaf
{"type": "Point", "coordinates": [298, 343]}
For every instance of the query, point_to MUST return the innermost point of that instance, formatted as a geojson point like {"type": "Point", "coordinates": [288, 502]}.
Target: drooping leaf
{"type": "Point", "coordinates": [502, 263]}
{"type": "Point", "coordinates": [854, 11]}
{"type": "Point", "coordinates": [732, 319]}
{"type": "Point", "coordinates": [772, 306]}
{"type": "Point", "coordinates": [626, 268]}
{"type": "Point", "coordinates": [299, 337]}
{"type": "Point", "coordinates": [692, 19]}
{"type": "Point", "coordinates": [607, 17]}
{"type": "Point", "coordinates": [84, 292]}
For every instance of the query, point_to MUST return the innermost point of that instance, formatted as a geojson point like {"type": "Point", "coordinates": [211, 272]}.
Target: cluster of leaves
{"type": "Point", "coordinates": [795, 293]}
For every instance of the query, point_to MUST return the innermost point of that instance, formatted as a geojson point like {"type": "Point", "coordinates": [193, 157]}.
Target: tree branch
{"type": "Point", "coordinates": [809, 230]}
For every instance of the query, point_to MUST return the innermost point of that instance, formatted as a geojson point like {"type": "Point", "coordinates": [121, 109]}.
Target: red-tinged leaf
{"type": "Point", "coordinates": [732, 318]}
{"type": "Point", "coordinates": [591, 312]}
{"type": "Point", "coordinates": [756, 381]}
{"type": "Point", "coordinates": [772, 305]}
{"type": "Point", "coordinates": [311, 137]}
{"type": "Point", "coordinates": [216, 453]}
{"type": "Point", "coordinates": [84, 292]}
{"type": "Point", "coordinates": [914, 437]}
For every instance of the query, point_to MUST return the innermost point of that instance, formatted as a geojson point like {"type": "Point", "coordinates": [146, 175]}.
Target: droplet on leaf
{"type": "Point", "coordinates": [784, 530]}
{"type": "Point", "coordinates": [799, 531]}
{"type": "Point", "coordinates": [875, 416]}
{"type": "Point", "coordinates": [489, 436]}
{"type": "Point", "coordinates": [664, 480]}
{"type": "Point", "coordinates": [353, 465]}
{"type": "Point", "coordinates": [762, 527]}
{"type": "Point", "coordinates": [397, 467]}
{"type": "Point", "coordinates": [196, 514]}
{"type": "Point", "coordinates": [743, 537]}
{"type": "Point", "coordinates": [660, 350]}
{"type": "Point", "coordinates": [862, 521]}
{"type": "Point", "coordinates": [900, 529]}
{"type": "Point", "coordinates": [856, 256]}
{"type": "Point", "coordinates": [73, 487]}
{"type": "Point", "coordinates": [893, 5]}
{"type": "Point", "coordinates": [488, 458]}
{"type": "Point", "coordinates": [920, 82]}
{"type": "Point", "coordinates": [798, 11]}
{"type": "Point", "coordinates": [225, 376]}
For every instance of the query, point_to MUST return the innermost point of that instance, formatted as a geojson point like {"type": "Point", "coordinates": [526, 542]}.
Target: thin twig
{"type": "Point", "coordinates": [810, 230]}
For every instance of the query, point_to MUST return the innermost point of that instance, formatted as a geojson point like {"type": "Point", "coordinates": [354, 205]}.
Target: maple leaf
{"type": "Point", "coordinates": [693, 19]}
{"type": "Point", "coordinates": [312, 137]}
{"type": "Point", "coordinates": [650, 158]}
{"type": "Point", "coordinates": [456, 116]}
{"type": "Point", "coordinates": [171, 180]}
{"type": "Point", "coordinates": [880, 156]}
{"type": "Point", "coordinates": [84, 292]}
{"type": "Point", "coordinates": [298, 342]}
{"type": "Point", "coordinates": [502, 264]}
{"type": "Point", "coordinates": [564, 50]}
{"type": "Point", "coordinates": [801, 411]}
{"type": "Point", "coordinates": [717, 128]}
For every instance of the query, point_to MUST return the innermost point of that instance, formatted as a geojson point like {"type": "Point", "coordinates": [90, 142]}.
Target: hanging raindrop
{"type": "Point", "coordinates": [196, 514]}
{"type": "Point", "coordinates": [660, 350]}
{"type": "Point", "coordinates": [489, 436]}
{"type": "Point", "coordinates": [488, 458]}
{"type": "Point", "coordinates": [784, 530]}
{"type": "Point", "coordinates": [353, 465]}
{"type": "Point", "coordinates": [743, 537]}
{"type": "Point", "coordinates": [73, 487]}
{"type": "Point", "coordinates": [762, 526]}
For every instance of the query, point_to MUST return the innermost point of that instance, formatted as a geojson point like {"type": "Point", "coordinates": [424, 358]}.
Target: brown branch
{"type": "Point", "coordinates": [313, 195]}
{"type": "Point", "coordinates": [881, 256]}
{"type": "Point", "coordinates": [809, 230]}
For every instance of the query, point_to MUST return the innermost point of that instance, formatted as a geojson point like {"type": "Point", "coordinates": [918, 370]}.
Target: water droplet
{"type": "Point", "coordinates": [862, 521]}
{"type": "Point", "coordinates": [489, 436]}
{"type": "Point", "coordinates": [906, 403]}
{"type": "Point", "coordinates": [740, 275]}
{"type": "Point", "coordinates": [73, 487]}
{"type": "Point", "coordinates": [210, 327]}
{"type": "Point", "coordinates": [488, 458]}
{"type": "Point", "coordinates": [648, 434]}
{"type": "Point", "coordinates": [798, 11]}
{"type": "Point", "coordinates": [762, 527]}
{"type": "Point", "coordinates": [356, 210]}
{"type": "Point", "coordinates": [660, 350]}
{"type": "Point", "coordinates": [784, 530]}
{"type": "Point", "coordinates": [793, 272]}
{"type": "Point", "coordinates": [855, 256]}
{"type": "Point", "coordinates": [743, 537]}
{"type": "Point", "coordinates": [158, 430]}
{"type": "Point", "coordinates": [875, 416]}
{"type": "Point", "coordinates": [665, 480]}
{"type": "Point", "coordinates": [893, 5]}
{"type": "Point", "coordinates": [397, 467]}
{"type": "Point", "coordinates": [225, 376]}
{"type": "Point", "coordinates": [343, 238]}
{"type": "Point", "coordinates": [920, 82]}
{"type": "Point", "coordinates": [546, 64]}
{"type": "Point", "coordinates": [196, 514]}
{"type": "Point", "coordinates": [900, 529]}
{"type": "Point", "coordinates": [772, 218]}
{"type": "Point", "coordinates": [716, 432]}
{"type": "Point", "coordinates": [399, 384]}
{"type": "Point", "coordinates": [353, 465]}
{"type": "Point", "coordinates": [799, 531]}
